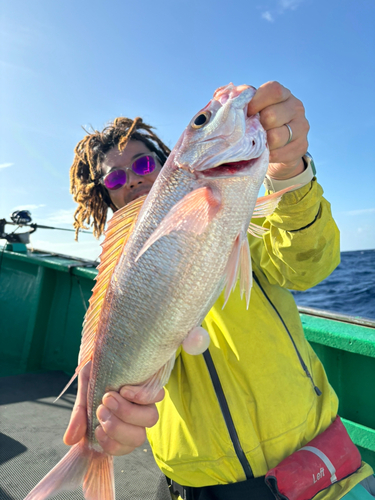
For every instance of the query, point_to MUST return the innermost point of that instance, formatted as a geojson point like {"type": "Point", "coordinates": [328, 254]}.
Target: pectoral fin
{"type": "Point", "coordinates": [193, 213]}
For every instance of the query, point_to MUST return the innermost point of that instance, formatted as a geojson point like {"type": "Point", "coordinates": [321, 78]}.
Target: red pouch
{"type": "Point", "coordinates": [326, 459]}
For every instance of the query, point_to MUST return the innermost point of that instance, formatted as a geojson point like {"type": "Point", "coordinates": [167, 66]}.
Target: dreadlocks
{"type": "Point", "coordinates": [92, 197]}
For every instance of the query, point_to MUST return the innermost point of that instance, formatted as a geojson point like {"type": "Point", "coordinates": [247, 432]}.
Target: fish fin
{"type": "Point", "coordinates": [266, 205]}
{"type": "Point", "coordinates": [231, 271]}
{"type": "Point", "coordinates": [246, 277]}
{"type": "Point", "coordinates": [80, 466]}
{"type": "Point", "coordinates": [192, 213]}
{"type": "Point", "coordinates": [239, 265]}
{"type": "Point", "coordinates": [148, 390]}
{"type": "Point", "coordinates": [197, 341]}
{"type": "Point", "coordinates": [78, 369]}
{"type": "Point", "coordinates": [117, 234]}
{"type": "Point", "coordinates": [257, 231]}
{"type": "Point", "coordinates": [99, 482]}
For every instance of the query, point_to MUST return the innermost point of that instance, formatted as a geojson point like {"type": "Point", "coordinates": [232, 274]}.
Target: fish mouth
{"type": "Point", "coordinates": [230, 169]}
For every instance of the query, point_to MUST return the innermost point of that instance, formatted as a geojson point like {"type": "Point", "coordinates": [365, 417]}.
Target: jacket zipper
{"type": "Point", "coordinates": [227, 416]}
{"type": "Point", "coordinates": [303, 364]}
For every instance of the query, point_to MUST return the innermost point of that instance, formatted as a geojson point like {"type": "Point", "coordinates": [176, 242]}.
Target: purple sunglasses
{"type": "Point", "coordinates": [143, 165]}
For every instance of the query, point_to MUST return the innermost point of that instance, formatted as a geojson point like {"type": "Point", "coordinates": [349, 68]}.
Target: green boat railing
{"type": "Point", "coordinates": [44, 296]}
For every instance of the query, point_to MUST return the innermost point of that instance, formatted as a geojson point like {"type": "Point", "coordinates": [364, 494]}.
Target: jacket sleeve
{"type": "Point", "coordinates": [302, 246]}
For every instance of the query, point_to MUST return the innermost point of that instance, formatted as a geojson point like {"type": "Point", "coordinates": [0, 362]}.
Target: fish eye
{"type": "Point", "coordinates": [201, 120]}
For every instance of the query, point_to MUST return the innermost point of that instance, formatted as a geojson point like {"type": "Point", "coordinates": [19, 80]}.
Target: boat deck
{"type": "Point", "coordinates": [31, 431]}
{"type": "Point", "coordinates": [43, 299]}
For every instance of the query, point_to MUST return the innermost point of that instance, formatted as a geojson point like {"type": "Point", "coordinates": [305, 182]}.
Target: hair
{"type": "Point", "coordinates": [92, 197]}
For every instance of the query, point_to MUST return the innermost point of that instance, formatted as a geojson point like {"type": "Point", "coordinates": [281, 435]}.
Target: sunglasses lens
{"type": "Point", "coordinates": [144, 165]}
{"type": "Point", "coordinates": [115, 179]}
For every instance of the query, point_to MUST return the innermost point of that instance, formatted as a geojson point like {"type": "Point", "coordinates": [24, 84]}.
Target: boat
{"type": "Point", "coordinates": [43, 299]}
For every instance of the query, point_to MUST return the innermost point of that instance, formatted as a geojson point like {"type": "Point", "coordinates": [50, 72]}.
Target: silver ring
{"type": "Point", "coordinates": [290, 134]}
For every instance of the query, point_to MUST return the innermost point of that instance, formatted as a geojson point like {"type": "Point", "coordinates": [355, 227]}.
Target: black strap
{"type": "Point", "coordinates": [227, 416]}
{"type": "Point", "coordinates": [254, 488]}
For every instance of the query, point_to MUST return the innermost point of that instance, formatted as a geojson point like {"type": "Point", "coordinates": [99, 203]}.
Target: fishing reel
{"type": "Point", "coordinates": [21, 217]}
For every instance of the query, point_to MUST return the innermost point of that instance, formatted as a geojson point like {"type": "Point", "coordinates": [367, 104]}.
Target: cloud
{"type": "Point", "coordinates": [60, 217]}
{"type": "Point", "coordinates": [268, 16]}
{"type": "Point", "coordinates": [6, 165]}
{"type": "Point", "coordinates": [290, 4]}
{"type": "Point", "coordinates": [28, 207]}
{"type": "Point", "coordinates": [16, 67]}
{"type": "Point", "coordinates": [281, 7]}
{"type": "Point", "coordinates": [360, 212]}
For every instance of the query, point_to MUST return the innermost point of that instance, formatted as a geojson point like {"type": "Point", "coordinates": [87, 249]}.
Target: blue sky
{"type": "Point", "coordinates": [77, 63]}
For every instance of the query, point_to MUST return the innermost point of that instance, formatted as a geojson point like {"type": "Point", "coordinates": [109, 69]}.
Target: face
{"type": "Point", "coordinates": [136, 185]}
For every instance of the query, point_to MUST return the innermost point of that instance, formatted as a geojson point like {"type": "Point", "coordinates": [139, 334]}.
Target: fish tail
{"type": "Point", "coordinates": [99, 481]}
{"type": "Point", "coordinates": [81, 466]}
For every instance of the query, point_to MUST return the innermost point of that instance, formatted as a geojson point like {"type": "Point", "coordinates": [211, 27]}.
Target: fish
{"type": "Point", "coordinates": [166, 258]}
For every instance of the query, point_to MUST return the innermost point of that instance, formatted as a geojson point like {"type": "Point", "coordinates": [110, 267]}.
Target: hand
{"type": "Point", "coordinates": [122, 429]}
{"type": "Point", "coordinates": [278, 106]}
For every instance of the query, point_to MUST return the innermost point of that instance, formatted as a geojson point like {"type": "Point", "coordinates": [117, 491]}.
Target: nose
{"type": "Point", "coordinates": [132, 179]}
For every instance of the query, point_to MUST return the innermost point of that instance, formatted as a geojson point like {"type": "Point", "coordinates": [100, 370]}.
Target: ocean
{"type": "Point", "coordinates": [350, 289]}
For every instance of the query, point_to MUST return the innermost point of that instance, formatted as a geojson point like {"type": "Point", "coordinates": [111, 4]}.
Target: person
{"type": "Point", "coordinates": [259, 392]}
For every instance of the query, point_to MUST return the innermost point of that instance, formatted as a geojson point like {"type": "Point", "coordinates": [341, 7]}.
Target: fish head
{"type": "Point", "coordinates": [221, 140]}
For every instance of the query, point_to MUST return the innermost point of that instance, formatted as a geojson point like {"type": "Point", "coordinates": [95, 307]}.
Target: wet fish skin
{"type": "Point", "coordinates": [155, 297]}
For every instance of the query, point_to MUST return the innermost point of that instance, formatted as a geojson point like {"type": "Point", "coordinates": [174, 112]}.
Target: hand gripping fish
{"type": "Point", "coordinates": [164, 263]}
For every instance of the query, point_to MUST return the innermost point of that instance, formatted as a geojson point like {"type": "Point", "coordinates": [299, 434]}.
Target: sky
{"type": "Point", "coordinates": [79, 63]}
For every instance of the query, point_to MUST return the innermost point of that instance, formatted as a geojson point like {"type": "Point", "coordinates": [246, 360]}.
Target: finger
{"type": "Point", "coordinates": [267, 94]}
{"type": "Point", "coordinates": [277, 115]}
{"type": "Point", "coordinates": [111, 446]}
{"type": "Point", "coordinates": [131, 413]}
{"type": "Point", "coordinates": [278, 137]}
{"type": "Point", "coordinates": [124, 433]}
{"type": "Point", "coordinates": [78, 421]}
{"type": "Point", "coordinates": [140, 395]}
{"type": "Point", "coordinates": [291, 153]}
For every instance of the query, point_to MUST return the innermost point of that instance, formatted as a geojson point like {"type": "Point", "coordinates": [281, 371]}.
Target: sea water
{"type": "Point", "coordinates": [350, 289]}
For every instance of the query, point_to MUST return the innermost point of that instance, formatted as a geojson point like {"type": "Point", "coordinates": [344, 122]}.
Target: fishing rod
{"type": "Point", "coordinates": [22, 218]}
{"type": "Point", "coordinates": [40, 226]}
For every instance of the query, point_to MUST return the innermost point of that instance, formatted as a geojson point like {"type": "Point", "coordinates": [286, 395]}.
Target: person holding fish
{"type": "Point", "coordinates": [244, 391]}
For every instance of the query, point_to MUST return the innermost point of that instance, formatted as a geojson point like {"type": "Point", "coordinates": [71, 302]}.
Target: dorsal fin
{"type": "Point", "coordinates": [119, 229]}
{"type": "Point", "coordinates": [117, 234]}
{"type": "Point", "coordinates": [266, 205]}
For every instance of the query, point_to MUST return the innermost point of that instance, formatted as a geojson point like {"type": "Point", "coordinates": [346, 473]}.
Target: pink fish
{"type": "Point", "coordinates": [164, 263]}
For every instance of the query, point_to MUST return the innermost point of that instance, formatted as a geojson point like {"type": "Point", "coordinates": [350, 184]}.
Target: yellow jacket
{"type": "Point", "coordinates": [271, 397]}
